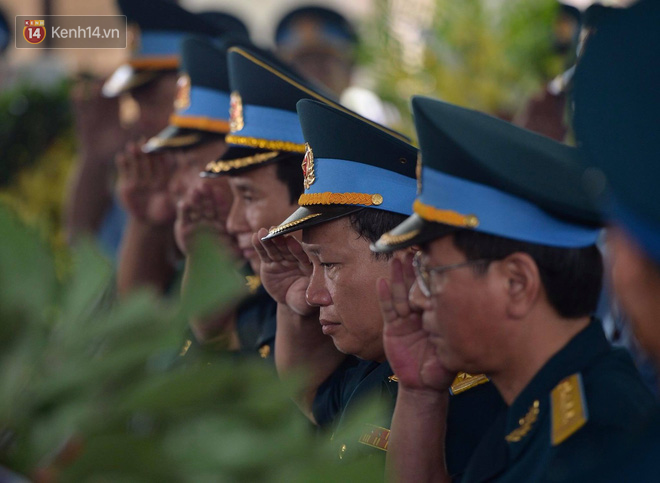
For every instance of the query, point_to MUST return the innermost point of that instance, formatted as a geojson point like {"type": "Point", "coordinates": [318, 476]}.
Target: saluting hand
{"type": "Point", "coordinates": [285, 271]}
{"type": "Point", "coordinates": [408, 349]}
{"type": "Point", "coordinates": [143, 185]}
{"type": "Point", "coordinates": [204, 207]}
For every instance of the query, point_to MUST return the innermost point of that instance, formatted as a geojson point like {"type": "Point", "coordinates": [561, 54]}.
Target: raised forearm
{"type": "Point", "coordinates": [89, 196]}
{"type": "Point", "coordinates": [416, 445]}
{"type": "Point", "coordinates": [146, 257]}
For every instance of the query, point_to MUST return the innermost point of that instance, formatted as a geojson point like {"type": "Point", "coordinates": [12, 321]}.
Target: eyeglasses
{"type": "Point", "coordinates": [423, 273]}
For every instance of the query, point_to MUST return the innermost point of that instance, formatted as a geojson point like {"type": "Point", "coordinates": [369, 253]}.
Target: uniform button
{"type": "Point", "coordinates": [342, 450]}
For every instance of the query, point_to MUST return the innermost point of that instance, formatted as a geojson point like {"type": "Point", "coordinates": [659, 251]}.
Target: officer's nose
{"type": "Point", "coordinates": [317, 294]}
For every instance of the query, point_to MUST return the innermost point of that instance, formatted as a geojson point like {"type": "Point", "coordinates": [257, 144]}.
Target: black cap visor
{"type": "Point", "coordinates": [308, 216]}
{"type": "Point", "coordinates": [173, 137]}
{"type": "Point", "coordinates": [238, 159]}
{"type": "Point", "coordinates": [126, 78]}
{"type": "Point", "coordinates": [415, 230]}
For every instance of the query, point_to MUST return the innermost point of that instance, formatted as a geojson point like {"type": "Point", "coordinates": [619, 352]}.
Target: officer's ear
{"type": "Point", "coordinates": [521, 283]}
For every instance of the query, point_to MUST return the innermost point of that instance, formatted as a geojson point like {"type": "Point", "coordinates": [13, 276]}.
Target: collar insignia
{"type": "Point", "coordinates": [308, 167]}
{"type": "Point", "coordinates": [463, 381]}
{"type": "Point", "coordinates": [182, 98]}
{"type": "Point", "coordinates": [236, 122]}
{"type": "Point", "coordinates": [525, 424]}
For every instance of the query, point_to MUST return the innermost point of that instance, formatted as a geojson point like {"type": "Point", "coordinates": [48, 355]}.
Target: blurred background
{"type": "Point", "coordinates": [492, 55]}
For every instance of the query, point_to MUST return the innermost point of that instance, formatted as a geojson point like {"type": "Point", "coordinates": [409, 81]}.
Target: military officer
{"type": "Point", "coordinates": [156, 29]}
{"type": "Point", "coordinates": [621, 144]}
{"type": "Point", "coordinates": [195, 135]}
{"type": "Point", "coordinates": [616, 117]}
{"type": "Point", "coordinates": [359, 183]}
{"type": "Point", "coordinates": [149, 77]}
{"type": "Point", "coordinates": [148, 250]}
{"type": "Point", "coordinates": [320, 43]}
{"type": "Point", "coordinates": [262, 164]}
{"type": "Point", "coordinates": [507, 279]}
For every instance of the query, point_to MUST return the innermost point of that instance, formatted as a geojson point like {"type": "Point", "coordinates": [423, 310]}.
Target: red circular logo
{"type": "Point", "coordinates": [34, 34]}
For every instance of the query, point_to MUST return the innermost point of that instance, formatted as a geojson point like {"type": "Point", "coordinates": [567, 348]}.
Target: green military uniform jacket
{"type": "Point", "coordinates": [585, 395]}
{"type": "Point", "coordinates": [631, 459]}
{"type": "Point", "coordinates": [472, 409]}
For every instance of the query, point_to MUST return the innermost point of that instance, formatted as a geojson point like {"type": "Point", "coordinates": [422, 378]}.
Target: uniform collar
{"type": "Point", "coordinates": [521, 420]}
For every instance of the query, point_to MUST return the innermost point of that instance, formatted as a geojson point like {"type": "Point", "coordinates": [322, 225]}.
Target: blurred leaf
{"type": "Point", "coordinates": [27, 275]}
{"type": "Point", "coordinates": [212, 280]}
{"type": "Point", "coordinates": [92, 275]}
{"type": "Point", "coordinates": [107, 375]}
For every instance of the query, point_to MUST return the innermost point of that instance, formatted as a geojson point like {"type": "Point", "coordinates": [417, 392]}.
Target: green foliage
{"type": "Point", "coordinates": [38, 146]}
{"type": "Point", "coordinates": [484, 55]}
{"type": "Point", "coordinates": [30, 119]}
{"type": "Point", "coordinates": [205, 289]}
{"type": "Point", "coordinates": [96, 392]}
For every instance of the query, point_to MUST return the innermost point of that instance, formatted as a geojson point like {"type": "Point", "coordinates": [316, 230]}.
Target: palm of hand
{"type": "Point", "coordinates": [159, 207]}
{"type": "Point", "coordinates": [295, 296]}
{"type": "Point", "coordinates": [411, 354]}
{"type": "Point", "coordinates": [142, 185]}
{"type": "Point", "coordinates": [413, 357]}
{"type": "Point", "coordinates": [285, 271]}
{"type": "Point", "coordinates": [203, 208]}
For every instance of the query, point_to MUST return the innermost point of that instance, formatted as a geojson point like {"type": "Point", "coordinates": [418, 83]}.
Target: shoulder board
{"type": "Point", "coordinates": [569, 408]}
{"type": "Point", "coordinates": [375, 436]}
{"type": "Point", "coordinates": [465, 381]}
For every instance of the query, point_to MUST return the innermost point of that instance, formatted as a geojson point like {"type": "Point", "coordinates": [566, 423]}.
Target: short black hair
{"type": "Point", "coordinates": [572, 277]}
{"type": "Point", "coordinates": [371, 224]}
{"type": "Point", "coordinates": [289, 171]}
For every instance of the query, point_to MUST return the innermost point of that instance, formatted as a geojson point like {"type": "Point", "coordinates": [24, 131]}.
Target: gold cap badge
{"type": "Point", "coordinates": [308, 167]}
{"type": "Point", "coordinates": [182, 98]}
{"type": "Point", "coordinates": [236, 121]}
